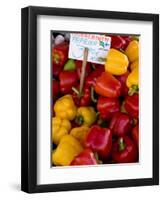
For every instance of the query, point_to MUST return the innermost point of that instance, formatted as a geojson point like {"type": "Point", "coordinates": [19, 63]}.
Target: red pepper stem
{"type": "Point", "coordinates": [56, 57]}
{"type": "Point", "coordinates": [96, 155]}
{"type": "Point", "coordinates": [93, 66]}
{"type": "Point", "coordinates": [133, 89]}
{"type": "Point", "coordinates": [92, 95]}
{"type": "Point", "coordinates": [75, 90]}
{"type": "Point", "coordinates": [121, 144]}
{"type": "Point", "coordinates": [83, 69]}
{"type": "Point", "coordinates": [97, 158]}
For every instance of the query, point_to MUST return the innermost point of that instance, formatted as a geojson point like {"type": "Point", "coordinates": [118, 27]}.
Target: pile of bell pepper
{"type": "Point", "coordinates": [100, 124]}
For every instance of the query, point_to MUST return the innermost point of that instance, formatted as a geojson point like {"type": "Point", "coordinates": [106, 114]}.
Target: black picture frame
{"type": "Point", "coordinates": [29, 98]}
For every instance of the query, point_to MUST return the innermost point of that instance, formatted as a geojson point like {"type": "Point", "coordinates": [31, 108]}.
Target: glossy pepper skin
{"type": "Point", "coordinates": [80, 133]}
{"type": "Point", "coordinates": [99, 140]}
{"type": "Point", "coordinates": [131, 105]}
{"type": "Point", "coordinates": [116, 62]}
{"type": "Point", "coordinates": [107, 85]}
{"type": "Point", "coordinates": [122, 79]}
{"type": "Point", "coordinates": [66, 151]}
{"type": "Point", "coordinates": [107, 107]}
{"type": "Point", "coordinates": [124, 150]}
{"type": "Point", "coordinates": [134, 64]}
{"type": "Point", "coordinates": [132, 50]}
{"type": "Point", "coordinates": [132, 81]}
{"type": "Point", "coordinates": [68, 79]}
{"type": "Point", "coordinates": [120, 124]}
{"type": "Point", "coordinates": [84, 99]}
{"type": "Point", "coordinates": [127, 41]}
{"type": "Point", "coordinates": [56, 70]}
{"type": "Point", "coordinates": [91, 79]}
{"type": "Point", "coordinates": [119, 42]}
{"type": "Point", "coordinates": [86, 157]}
{"type": "Point", "coordinates": [135, 134]}
{"type": "Point", "coordinates": [65, 108]}
{"type": "Point", "coordinates": [85, 116]}
{"type": "Point", "coordinates": [60, 54]}
{"type": "Point", "coordinates": [55, 88]}
{"type": "Point", "coordinates": [60, 127]}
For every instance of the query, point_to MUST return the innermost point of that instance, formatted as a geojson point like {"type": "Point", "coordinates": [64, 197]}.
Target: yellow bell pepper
{"type": "Point", "coordinates": [132, 50]}
{"type": "Point", "coordinates": [80, 133]}
{"type": "Point", "coordinates": [116, 62]}
{"type": "Point", "coordinates": [65, 108]}
{"type": "Point", "coordinates": [134, 64]}
{"type": "Point", "coordinates": [86, 116]}
{"type": "Point", "coordinates": [67, 149]}
{"type": "Point", "coordinates": [60, 127]}
{"type": "Point", "coordinates": [132, 81]}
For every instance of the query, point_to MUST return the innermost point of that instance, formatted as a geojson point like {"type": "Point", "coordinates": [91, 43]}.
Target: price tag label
{"type": "Point", "coordinates": [98, 47]}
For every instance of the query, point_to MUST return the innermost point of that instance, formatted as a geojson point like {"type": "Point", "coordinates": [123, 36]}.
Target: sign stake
{"type": "Point", "coordinates": [83, 70]}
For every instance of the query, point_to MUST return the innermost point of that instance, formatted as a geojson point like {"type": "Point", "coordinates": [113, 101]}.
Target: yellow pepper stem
{"type": "Point", "coordinates": [133, 89]}
{"type": "Point", "coordinates": [79, 120]}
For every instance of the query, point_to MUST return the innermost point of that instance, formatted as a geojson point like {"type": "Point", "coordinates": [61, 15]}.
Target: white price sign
{"type": "Point", "coordinates": [98, 47]}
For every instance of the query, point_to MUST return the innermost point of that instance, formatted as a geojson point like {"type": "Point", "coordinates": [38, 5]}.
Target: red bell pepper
{"type": "Point", "coordinates": [91, 79]}
{"type": "Point", "coordinates": [86, 157]}
{"type": "Point", "coordinates": [124, 150]}
{"type": "Point", "coordinates": [135, 134]}
{"type": "Point", "coordinates": [131, 105]}
{"type": "Point", "coordinates": [120, 124]}
{"type": "Point", "coordinates": [78, 64]}
{"type": "Point", "coordinates": [68, 79]}
{"type": "Point", "coordinates": [107, 107]}
{"type": "Point", "coordinates": [99, 140]}
{"type": "Point", "coordinates": [55, 88]}
{"type": "Point", "coordinates": [119, 42]}
{"type": "Point", "coordinates": [60, 54]}
{"type": "Point", "coordinates": [83, 99]}
{"type": "Point", "coordinates": [107, 85]}
{"type": "Point", "coordinates": [122, 78]}
{"type": "Point", "coordinates": [127, 41]}
{"type": "Point", "coordinates": [56, 70]}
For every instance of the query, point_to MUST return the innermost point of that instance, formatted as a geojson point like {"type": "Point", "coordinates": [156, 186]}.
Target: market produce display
{"type": "Point", "coordinates": [95, 120]}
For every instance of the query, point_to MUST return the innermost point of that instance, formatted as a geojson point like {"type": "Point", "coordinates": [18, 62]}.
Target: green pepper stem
{"type": "Point", "coordinates": [97, 158]}
{"type": "Point", "coordinates": [133, 89]}
{"type": "Point", "coordinates": [135, 38]}
{"type": "Point", "coordinates": [93, 66]}
{"type": "Point", "coordinates": [75, 90]}
{"type": "Point", "coordinates": [121, 144]}
{"type": "Point", "coordinates": [92, 95]}
{"type": "Point", "coordinates": [56, 58]}
{"type": "Point", "coordinates": [79, 120]}
{"type": "Point", "coordinates": [96, 155]}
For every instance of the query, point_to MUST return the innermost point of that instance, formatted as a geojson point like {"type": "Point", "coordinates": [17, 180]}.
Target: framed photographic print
{"type": "Point", "coordinates": [90, 99]}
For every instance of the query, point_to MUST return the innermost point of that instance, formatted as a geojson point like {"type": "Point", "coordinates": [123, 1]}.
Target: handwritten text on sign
{"type": "Point", "coordinates": [98, 46]}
